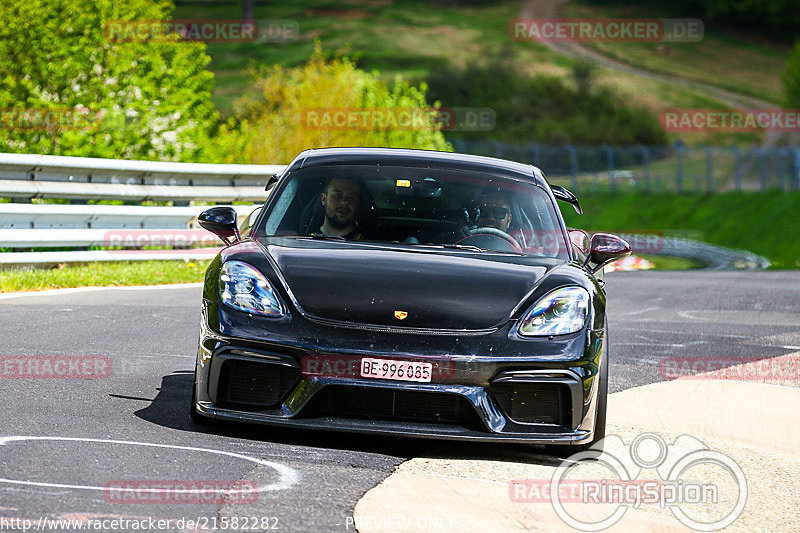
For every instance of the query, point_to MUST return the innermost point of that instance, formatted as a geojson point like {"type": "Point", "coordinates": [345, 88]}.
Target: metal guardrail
{"type": "Point", "coordinates": [92, 170]}
{"type": "Point", "coordinates": [27, 190]}
{"type": "Point", "coordinates": [62, 216]}
{"type": "Point", "coordinates": [25, 225]}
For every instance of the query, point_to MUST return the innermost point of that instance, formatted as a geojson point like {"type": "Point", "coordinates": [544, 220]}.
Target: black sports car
{"type": "Point", "coordinates": [407, 292]}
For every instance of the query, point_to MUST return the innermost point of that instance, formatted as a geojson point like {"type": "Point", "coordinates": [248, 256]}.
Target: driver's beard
{"type": "Point", "coordinates": [337, 224]}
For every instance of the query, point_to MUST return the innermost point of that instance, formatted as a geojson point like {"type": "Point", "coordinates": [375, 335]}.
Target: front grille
{"type": "Point", "coordinates": [534, 403]}
{"type": "Point", "coordinates": [253, 385]}
{"type": "Point", "coordinates": [399, 405]}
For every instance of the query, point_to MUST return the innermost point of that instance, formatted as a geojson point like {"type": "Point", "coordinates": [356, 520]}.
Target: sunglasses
{"type": "Point", "coordinates": [494, 211]}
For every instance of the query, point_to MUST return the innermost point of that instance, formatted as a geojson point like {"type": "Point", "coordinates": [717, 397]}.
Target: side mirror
{"type": "Point", "coordinates": [222, 221]}
{"type": "Point", "coordinates": [604, 249]}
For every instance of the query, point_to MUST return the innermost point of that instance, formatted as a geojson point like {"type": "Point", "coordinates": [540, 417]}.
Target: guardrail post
{"type": "Point", "coordinates": [498, 149]}
{"type": "Point", "coordinates": [536, 153]}
{"type": "Point", "coordinates": [645, 166]}
{"type": "Point", "coordinates": [709, 169]}
{"type": "Point", "coordinates": [737, 170]}
{"type": "Point", "coordinates": [678, 166]}
{"type": "Point", "coordinates": [781, 152]}
{"type": "Point", "coordinates": [762, 167]}
{"type": "Point", "coordinates": [573, 165]}
{"type": "Point", "coordinates": [612, 179]}
{"type": "Point", "coordinates": [796, 169]}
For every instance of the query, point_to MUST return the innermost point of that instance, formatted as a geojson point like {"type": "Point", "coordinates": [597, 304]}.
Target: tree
{"type": "Point", "coordinates": [293, 109]}
{"type": "Point", "coordinates": [146, 99]}
{"type": "Point", "coordinates": [791, 78]}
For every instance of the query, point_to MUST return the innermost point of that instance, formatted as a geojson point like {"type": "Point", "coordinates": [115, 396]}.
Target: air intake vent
{"type": "Point", "coordinates": [383, 404]}
{"type": "Point", "coordinates": [534, 403]}
{"type": "Point", "coordinates": [253, 385]}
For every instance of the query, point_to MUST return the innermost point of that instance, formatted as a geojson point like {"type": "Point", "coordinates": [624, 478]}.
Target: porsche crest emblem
{"type": "Point", "coordinates": [400, 315]}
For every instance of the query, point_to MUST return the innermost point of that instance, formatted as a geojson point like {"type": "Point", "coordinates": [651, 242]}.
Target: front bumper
{"type": "Point", "coordinates": [541, 391]}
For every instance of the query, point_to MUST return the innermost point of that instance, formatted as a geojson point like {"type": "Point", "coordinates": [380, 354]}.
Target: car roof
{"type": "Point", "coordinates": [417, 158]}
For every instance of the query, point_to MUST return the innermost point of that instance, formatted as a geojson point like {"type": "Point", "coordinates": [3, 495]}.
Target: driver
{"type": "Point", "coordinates": [341, 199]}
{"type": "Point", "coordinates": [495, 212]}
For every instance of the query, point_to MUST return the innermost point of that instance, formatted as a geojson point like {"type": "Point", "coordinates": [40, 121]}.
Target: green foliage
{"type": "Point", "coordinates": [544, 108]}
{"type": "Point", "coordinates": [760, 222]}
{"type": "Point", "coordinates": [279, 123]}
{"type": "Point", "coordinates": [791, 78]}
{"type": "Point", "coordinates": [142, 99]}
{"type": "Point", "coordinates": [583, 73]}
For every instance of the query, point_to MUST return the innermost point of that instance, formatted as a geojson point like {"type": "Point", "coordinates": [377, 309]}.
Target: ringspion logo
{"type": "Point", "coordinates": [705, 490]}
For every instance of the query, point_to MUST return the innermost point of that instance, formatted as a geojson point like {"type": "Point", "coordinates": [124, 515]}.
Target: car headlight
{"type": "Point", "coordinates": [558, 312]}
{"type": "Point", "coordinates": [246, 289]}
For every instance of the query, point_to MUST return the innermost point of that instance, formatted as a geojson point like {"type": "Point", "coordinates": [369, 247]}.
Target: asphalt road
{"type": "Point", "coordinates": [307, 481]}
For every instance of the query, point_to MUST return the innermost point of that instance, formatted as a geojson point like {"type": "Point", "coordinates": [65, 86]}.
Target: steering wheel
{"type": "Point", "coordinates": [494, 232]}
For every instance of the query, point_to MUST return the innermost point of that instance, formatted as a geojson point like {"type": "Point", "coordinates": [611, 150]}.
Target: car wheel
{"type": "Point", "coordinates": [196, 417]}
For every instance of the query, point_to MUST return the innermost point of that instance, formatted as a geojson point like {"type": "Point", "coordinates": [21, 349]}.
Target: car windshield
{"type": "Point", "coordinates": [417, 207]}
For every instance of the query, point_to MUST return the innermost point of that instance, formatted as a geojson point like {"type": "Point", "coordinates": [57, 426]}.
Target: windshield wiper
{"type": "Point", "coordinates": [467, 247]}
{"type": "Point", "coordinates": [470, 247]}
{"type": "Point", "coordinates": [317, 236]}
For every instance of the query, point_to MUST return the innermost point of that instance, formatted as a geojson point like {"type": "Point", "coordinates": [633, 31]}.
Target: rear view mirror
{"type": "Point", "coordinates": [222, 221]}
{"type": "Point", "coordinates": [604, 249]}
{"type": "Point", "coordinates": [425, 188]}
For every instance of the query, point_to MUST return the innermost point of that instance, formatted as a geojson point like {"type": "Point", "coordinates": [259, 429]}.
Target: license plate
{"type": "Point", "coordinates": [391, 369]}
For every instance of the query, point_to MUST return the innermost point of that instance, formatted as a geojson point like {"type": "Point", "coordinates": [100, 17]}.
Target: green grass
{"type": "Point", "coordinates": [103, 274]}
{"type": "Point", "coordinates": [739, 63]}
{"type": "Point", "coordinates": [763, 223]}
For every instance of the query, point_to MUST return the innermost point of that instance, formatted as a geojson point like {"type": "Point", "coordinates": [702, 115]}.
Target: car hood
{"type": "Point", "coordinates": [402, 286]}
